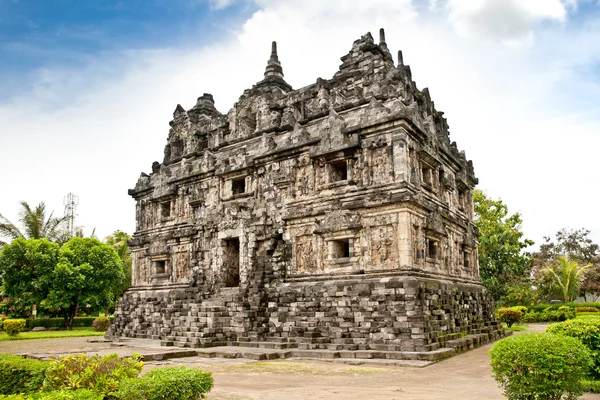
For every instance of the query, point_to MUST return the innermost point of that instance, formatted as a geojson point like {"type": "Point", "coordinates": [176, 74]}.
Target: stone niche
{"type": "Point", "coordinates": [335, 216]}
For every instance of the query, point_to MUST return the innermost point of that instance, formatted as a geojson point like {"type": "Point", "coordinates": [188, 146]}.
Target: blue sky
{"type": "Point", "coordinates": [37, 34]}
{"type": "Point", "coordinates": [87, 89]}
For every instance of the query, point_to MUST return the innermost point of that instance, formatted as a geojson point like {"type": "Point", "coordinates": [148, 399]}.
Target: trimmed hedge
{"type": "Point", "coordinates": [587, 309]}
{"type": "Point", "coordinates": [21, 375]}
{"type": "Point", "coordinates": [549, 315]}
{"type": "Point", "coordinates": [587, 331]}
{"type": "Point", "coordinates": [591, 386]}
{"type": "Point", "coordinates": [543, 306]}
{"type": "Point", "coordinates": [169, 383]}
{"type": "Point", "coordinates": [509, 316]}
{"type": "Point", "coordinates": [78, 322]}
{"type": "Point", "coordinates": [79, 394]}
{"type": "Point", "coordinates": [540, 366]}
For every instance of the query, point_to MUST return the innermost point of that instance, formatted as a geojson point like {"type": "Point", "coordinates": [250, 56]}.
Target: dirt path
{"type": "Point", "coordinates": [467, 376]}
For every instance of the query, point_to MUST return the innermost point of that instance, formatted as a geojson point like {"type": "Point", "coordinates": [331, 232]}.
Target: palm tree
{"type": "Point", "coordinates": [567, 274]}
{"type": "Point", "coordinates": [34, 225]}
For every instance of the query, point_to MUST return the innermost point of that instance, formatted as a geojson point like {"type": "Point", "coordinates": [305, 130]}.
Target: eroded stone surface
{"type": "Point", "coordinates": [335, 216]}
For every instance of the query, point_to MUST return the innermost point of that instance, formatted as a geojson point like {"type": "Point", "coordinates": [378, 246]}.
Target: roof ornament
{"type": "Point", "coordinates": [273, 65]}
{"type": "Point", "coordinates": [383, 45]}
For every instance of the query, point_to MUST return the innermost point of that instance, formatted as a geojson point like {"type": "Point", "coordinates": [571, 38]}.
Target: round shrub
{"type": "Point", "coordinates": [170, 383]}
{"type": "Point", "coordinates": [101, 324]}
{"type": "Point", "coordinates": [540, 366]}
{"type": "Point", "coordinates": [13, 327]}
{"type": "Point", "coordinates": [532, 316]}
{"type": "Point", "coordinates": [522, 309]}
{"type": "Point", "coordinates": [21, 375]}
{"type": "Point", "coordinates": [587, 331]}
{"type": "Point", "coordinates": [509, 316]}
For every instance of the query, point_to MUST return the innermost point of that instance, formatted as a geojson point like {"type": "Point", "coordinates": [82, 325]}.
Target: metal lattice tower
{"type": "Point", "coordinates": [71, 201]}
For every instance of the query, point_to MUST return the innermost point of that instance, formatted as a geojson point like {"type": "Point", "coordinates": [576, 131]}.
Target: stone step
{"type": "Point", "coordinates": [266, 345]}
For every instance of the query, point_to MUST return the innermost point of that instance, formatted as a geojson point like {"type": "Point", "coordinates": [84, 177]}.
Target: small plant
{"type": "Point", "coordinates": [13, 327]}
{"type": "Point", "coordinates": [79, 394]}
{"type": "Point", "coordinates": [102, 374]}
{"type": "Point", "coordinates": [540, 366]}
{"type": "Point", "coordinates": [522, 309]}
{"type": "Point", "coordinates": [509, 316]}
{"type": "Point", "coordinates": [170, 383]}
{"type": "Point", "coordinates": [20, 375]}
{"type": "Point", "coordinates": [588, 332]}
{"type": "Point", "coordinates": [101, 324]}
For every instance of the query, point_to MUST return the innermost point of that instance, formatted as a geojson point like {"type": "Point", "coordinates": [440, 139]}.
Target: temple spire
{"type": "Point", "coordinates": [273, 65]}
{"type": "Point", "coordinates": [383, 45]}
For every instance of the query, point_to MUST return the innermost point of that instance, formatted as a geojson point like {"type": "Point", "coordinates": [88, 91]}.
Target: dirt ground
{"type": "Point", "coordinates": [466, 376]}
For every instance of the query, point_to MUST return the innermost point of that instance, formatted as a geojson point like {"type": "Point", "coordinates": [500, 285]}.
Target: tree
{"type": "Point", "coordinates": [119, 241]}
{"type": "Point", "coordinates": [567, 274]}
{"type": "Point", "coordinates": [34, 224]}
{"type": "Point", "coordinates": [24, 264]}
{"type": "Point", "coordinates": [502, 259]}
{"type": "Point", "coordinates": [577, 246]}
{"type": "Point", "coordinates": [86, 275]}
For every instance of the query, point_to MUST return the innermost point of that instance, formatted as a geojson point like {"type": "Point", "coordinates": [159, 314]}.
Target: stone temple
{"type": "Point", "coordinates": [337, 216]}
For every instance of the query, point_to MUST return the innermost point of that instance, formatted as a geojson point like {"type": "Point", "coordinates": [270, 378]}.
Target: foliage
{"type": "Point", "coordinates": [567, 274]}
{"type": "Point", "coordinates": [502, 259]}
{"type": "Point", "coordinates": [79, 394]}
{"type": "Point", "coordinates": [586, 309]}
{"type": "Point", "coordinates": [78, 322]}
{"type": "Point", "coordinates": [35, 224]}
{"type": "Point", "coordinates": [517, 327]}
{"type": "Point", "coordinates": [119, 241]}
{"type": "Point", "coordinates": [522, 309]}
{"type": "Point", "coordinates": [520, 293]}
{"type": "Point", "coordinates": [170, 383]}
{"type": "Point", "coordinates": [549, 315]}
{"type": "Point", "coordinates": [20, 375]}
{"type": "Point", "coordinates": [101, 324]}
{"type": "Point", "coordinates": [509, 316]}
{"type": "Point", "coordinates": [577, 245]}
{"type": "Point", "coordinates": [590, 386]}
{"type": "Point", "coordinates": [86, 273]}
{"type": "Point", "coordinates": [76, 332]}
{"type": "Point", "coordinates": [540, 366]}
{"type": "Point", "coordinates": [13, 327]}
{"type": "Point", "coordinates": [588, 332]}
{"type": "Point", "coordinates": [101, 374]}
{"type": "Point", "coordinates": [24, 266]}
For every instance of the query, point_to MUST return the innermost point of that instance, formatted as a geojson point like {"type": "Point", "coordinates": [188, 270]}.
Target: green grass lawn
{"type": "Point", "coordinates": [516, 327]}
{"type": "Point", "coordinates": [588, 315]}
{"type": "Point", "coordinates": [76, 332]}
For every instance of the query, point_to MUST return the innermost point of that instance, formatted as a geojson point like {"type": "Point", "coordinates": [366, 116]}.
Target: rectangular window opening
{"type": "Point", "coordinates": [165, 209]}
{"type": "Point", "coordinates": [341, 248]}
{"type": "Point", "coordinates": [427, 175]}
{"type": "Point", "coordinates": [338, 171]}
{"type": "Point", "coordinates": [432, 249]}
{"type": "Point", "coordinates": [238, 186]}
{"type": "Point", "coordinates": [160, 267]}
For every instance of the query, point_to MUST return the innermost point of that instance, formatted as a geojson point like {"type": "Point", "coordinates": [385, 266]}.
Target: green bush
{"type": "Point", "coordinates": [20, 375]}
{"type": "Point", "coordinates": [101, 324]}
{"type": "Point", "coordinates": [549, 315]}
{"type": "Point", "coordinates": [540, 366]}
{"type": "Point", "coordinates": [80, 394]}
{"type": "Point", "coordinates": [170, 383]}
{"type": "Point", "coordinates": [13, 327]}
{"type": "Point", "coordinates": [509, 316]}
{"type": "Point", "coordinates": [522, 309]}
{"type": "Point", "coordinates": [101, 374]}
{"type": "Point", "coordinates": [78, 322]}
{"type": "Point", "coordinates": [591, 386]}
{"type": "Point", "coordinates": [588, 332]}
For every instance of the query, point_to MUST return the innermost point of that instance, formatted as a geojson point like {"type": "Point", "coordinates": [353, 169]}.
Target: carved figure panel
{"type": "Point", "coordinates": [305, 255]}
{"type": "Point", "coordinates": [383, 247]}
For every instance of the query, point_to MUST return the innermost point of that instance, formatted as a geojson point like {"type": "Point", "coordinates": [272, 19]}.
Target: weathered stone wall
{"type": "Point", "coordinates": [280, 218]}
{"type": "Point", "coordinates": [393, 313]}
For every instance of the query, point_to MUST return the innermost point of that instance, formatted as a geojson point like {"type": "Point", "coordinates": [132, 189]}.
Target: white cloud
{"type": "Point", "coordinates": [92, 131]}
{"type": "Point", "coordinates": [221, 4]}
{"type": "Point", "coordinates": [511, 21]}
